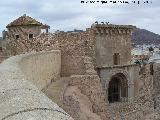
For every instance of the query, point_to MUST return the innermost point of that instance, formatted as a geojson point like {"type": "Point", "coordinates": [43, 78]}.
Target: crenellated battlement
{"type": "Point", "coordinates": [112, 29]}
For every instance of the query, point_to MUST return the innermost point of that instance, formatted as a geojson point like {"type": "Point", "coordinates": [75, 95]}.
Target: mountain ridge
{"type": "Point", "coordinates": [143, 36]}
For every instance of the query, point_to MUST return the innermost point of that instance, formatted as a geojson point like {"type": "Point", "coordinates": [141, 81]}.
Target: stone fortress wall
{"type": "Point", "coordinates": [14, 85]}
{"type": "Point", "coordinates": [74, 47]}
{"type": "Point", "coordinates": [42, 68]}
{"type": "Point", "coordinates": [19, 98]}
{"type": "Point", "coordinates": [28, 98]}
{"type": "Point", "coordinates": [81, 53]}
{"type": "Point", "coordinates": [95, 43]}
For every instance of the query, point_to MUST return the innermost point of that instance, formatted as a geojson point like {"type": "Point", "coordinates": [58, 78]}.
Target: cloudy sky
{"type": "Point", "coordinates": [70, 14]}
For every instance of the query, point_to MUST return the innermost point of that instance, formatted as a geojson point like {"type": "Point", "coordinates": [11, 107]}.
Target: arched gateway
{"type": "Point", "coordinates": [117, 88]}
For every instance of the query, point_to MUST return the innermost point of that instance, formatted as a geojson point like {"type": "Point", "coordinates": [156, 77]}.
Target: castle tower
{"type": "Point", "coordinates": [113, 61]}
{"type": "Point", "coordinates": [113, 44]}
{"type": "Point", "coordinates": [25, 27]}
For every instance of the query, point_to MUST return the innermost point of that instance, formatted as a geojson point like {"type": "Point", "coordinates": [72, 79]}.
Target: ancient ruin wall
{"type": "Point", "coordinates": [42, 67]}
{"type": "Point", "coordinates": [140, 107]}
{"type": "Point", "coordinates": [89, 86]}
{"type": "Point", "coordinates": [74, 47]}
{"type": "Point", "coordinates": [23, 45]}
{"type": "Point", "coordinates": [20, 99]}
{"type": "Point", "coordinates": [99, 42]}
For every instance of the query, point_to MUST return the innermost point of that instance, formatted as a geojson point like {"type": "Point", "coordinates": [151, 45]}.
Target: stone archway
{"type": "Point", "coordinates": [117, 88]}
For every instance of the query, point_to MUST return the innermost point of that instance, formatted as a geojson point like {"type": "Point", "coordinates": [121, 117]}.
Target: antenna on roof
{"type": "Point", "coordinates": [107, 23]}
{"type": "Point", "coordinates": [96, 22]}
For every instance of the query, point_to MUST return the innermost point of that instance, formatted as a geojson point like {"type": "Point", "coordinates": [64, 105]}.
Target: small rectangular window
{"type": "Point", "coordinates": [30, 36]}
{"type": "Point", "coordinates": [17, 36]}
{"type": "Point", "coordinates": [116, 59]}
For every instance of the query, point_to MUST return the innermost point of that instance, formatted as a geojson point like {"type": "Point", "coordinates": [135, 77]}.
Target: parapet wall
{"type": "Point", "coordinates": [19, 98]}
{"type": "Point", "coordinates": [41, 68]}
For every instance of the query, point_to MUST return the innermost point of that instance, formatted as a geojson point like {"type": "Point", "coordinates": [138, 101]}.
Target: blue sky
{"type": "Point", "coordinates": [71, 14]}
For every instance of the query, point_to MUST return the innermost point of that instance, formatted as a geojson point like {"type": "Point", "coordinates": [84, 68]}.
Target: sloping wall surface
{"type": "Point", "coordinates": [20, 99]}
{"type": "Point", "coordinates": [41, 67]}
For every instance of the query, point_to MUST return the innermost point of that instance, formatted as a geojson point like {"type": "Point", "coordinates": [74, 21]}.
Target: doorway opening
{"type": "Point", "coordinates": [118, 88]}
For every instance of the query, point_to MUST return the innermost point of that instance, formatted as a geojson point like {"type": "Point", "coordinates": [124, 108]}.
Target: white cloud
{"type": "Point", "coordinates": [67, 15]}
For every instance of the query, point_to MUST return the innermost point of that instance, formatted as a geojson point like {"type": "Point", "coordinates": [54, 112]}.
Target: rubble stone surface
{"type": "Point", "coordinates": [20, 99]}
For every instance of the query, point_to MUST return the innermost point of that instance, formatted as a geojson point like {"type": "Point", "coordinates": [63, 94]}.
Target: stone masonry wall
{"type": "Point", "coordinates": [90, 86]}
{"type": "Point", "coordinates": [43, 42]}
{"type": "Point", "coordinates": [20, 99]}
{"type": "Point", "coordinates": [99, 42]}
{"type": "Point", "coordinates": [74, 47]}
{"type": "Point", "coordinates": [23, 31]}
{"type": "Point", "coordinates": [42, 67]}
{"type": "Point", "coordinates": [141, 107]}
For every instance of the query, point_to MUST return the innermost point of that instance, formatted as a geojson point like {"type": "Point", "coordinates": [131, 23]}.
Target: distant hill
{"type": "Point", "coordinates": [142, 36]}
